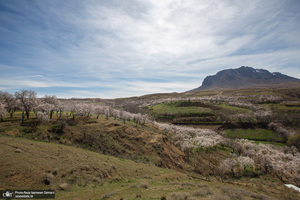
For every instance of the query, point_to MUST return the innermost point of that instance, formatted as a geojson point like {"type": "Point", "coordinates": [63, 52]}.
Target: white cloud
{"type": "Point", "coordinates": [107, 43]}
{"type": "Point", "coordinates": [27, 83]}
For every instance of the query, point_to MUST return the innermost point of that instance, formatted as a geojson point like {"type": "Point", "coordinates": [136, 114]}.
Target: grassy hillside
{"type": "Point", "coordinates": [28, 164]}
{"type": "Point", "coordinates": [108, 136]}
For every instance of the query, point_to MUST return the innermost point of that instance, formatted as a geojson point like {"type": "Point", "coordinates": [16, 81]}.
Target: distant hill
{"type": "Point", "coordinates": [245, 77]}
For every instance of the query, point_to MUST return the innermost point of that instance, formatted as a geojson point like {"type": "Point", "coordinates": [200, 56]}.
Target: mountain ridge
{"type": "Point", "coordinates": [245, 77]}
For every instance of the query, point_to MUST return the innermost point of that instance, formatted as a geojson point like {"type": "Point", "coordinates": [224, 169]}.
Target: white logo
{"type": "Point", "coordinates": [8, 194]}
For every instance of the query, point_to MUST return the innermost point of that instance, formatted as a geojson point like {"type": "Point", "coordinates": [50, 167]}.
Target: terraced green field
{"type": "Point", "coordinates": [164, 108]}
{"type": "Point", "coordinates": [253, 134]}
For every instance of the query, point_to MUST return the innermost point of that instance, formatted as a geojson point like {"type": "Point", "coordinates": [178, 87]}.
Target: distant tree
{"type": "Point", "coordinates": [226, 166]}
{"type": "Point", "coordinates": [137, 118]}
{"type": "Point", "coordinates": [121, 115]}
{"type": "Point", "coordinates": [67, 108]}
{"type": "Point", "coordinates": [188, 137]}
{"type": "Point", "coordinates": [237, 146]}
{"type": "Point", "coordinates": [294, 140]}
{"type": "Point", "coordinates": [144, 118]}
{"type": "Point", "coordinates": [28, 100]}
{"type": "Point", "coordinates": [41, 118]}
{"type": "Point", "coordinates": [10, 101]}
{"type": "Point", "coordinates": [35, 108]}
{"type": "Point", "coordinates": [245, 161]}
{"type": "Point", "coordinates": [265, 163]}
{"type": "Point", "coordinates": [78, 109]}
{"type": "Point", "coordinates": [73, 108]}
{"type": "Point", "coordinates": [125, 116]}
{"type": "Point", "coordinates": [44, 108]}
{"type": "Point", "coordinates": [2, 111]}
{"type": "Point", "coordinates": [98, 110]}
{"type": "Point", "coordinates": [52, 100]}
{"type": "Point", "coordinates": [116, 114]}
{"type": "Point", "coordinates": [221, 171]}
{"type": "Point", "coordinates": [60, 108]}
{"type": "Point", "coordinates": [107, 112]}
{"type": "Point", "coordinates": [230, 163]}
{"type": "Point", "coordinates": [281, 130]}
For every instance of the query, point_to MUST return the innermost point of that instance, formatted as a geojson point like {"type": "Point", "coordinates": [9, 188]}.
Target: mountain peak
{"type": "Point", "coordinates": [245, 77]}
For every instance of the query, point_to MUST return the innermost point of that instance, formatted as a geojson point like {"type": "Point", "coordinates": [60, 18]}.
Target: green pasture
{"type": "Point", "coordinates": [253, 134]}
{"type": "Point", "coordinates": [233, 108]}
{"type": "Point", "coordinates": [172, 108]}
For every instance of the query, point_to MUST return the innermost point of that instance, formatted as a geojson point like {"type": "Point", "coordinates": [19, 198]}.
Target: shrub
{"type": "Point", "coordinates": [202, 192]}
{"type": "Point", "coordinates": [49, 179]}
{"type": "Point", "coordinates": [234, 193]}
{"type": "Point", "coordinates": [14, 132]}
{"type": "Point", "coordinates": [144, 185]}
{"type": "Point", "coordinates": [294, 140]}
{"type": "Point", "coordinates": [163, 198]}
{"type": "Point", "coordinates": [108, 195]}
{"type": "Point", "coordinates": [230, 164]}
{"type": "Point", "coordinates": [65, 186]}
{"type": "Point", "coordinates": [42, 117]}
{"type": "Point", "coordinates": [245, 161]}
{"type": "Point", "coordinates": [201, 185]}
{"type": "Point", "coordinates": [219, 197]}
{"type": "Point", "coordinates": [179, 196]}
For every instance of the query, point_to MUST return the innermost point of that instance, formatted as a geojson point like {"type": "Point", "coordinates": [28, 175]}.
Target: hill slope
{"type": "Point", "coordinates": [27, 164]}
{"type": "Point", "coordinates": [31, 165]}
{"type": "Point", "coordinates": [245, 77]}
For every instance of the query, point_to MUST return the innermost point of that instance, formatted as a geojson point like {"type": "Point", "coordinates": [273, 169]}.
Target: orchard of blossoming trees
{"type": "Point", "coordinates": [282, 162]}
{"type": "Point", "coordinates": [44, 108]}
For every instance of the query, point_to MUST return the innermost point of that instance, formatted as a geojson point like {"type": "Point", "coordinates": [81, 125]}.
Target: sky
{"type": "Point", "coordinates": [117, 48]}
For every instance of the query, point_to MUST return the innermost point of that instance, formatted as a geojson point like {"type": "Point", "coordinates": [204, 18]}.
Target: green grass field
{"type": "Point", "coordinates": [253, 134]}
{"type": "Point", "coordinates": [174, 109]}
{"type": "Point", "coordinates": [234, 109]}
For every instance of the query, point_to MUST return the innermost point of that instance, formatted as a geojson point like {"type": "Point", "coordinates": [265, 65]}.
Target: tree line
{"type": "Point", "coordinates": [44, 108]}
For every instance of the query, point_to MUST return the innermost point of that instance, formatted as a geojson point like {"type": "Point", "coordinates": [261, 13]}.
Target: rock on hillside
{"type": "Point", "coordinates": [245, 77]}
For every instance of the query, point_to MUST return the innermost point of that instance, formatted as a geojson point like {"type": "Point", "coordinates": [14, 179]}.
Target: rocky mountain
{"type": "Point", "coordinates": [245, 77]}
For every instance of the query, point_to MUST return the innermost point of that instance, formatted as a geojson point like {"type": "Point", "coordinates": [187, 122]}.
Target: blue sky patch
{"type": "Point", "coordinates": [112, 49]}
